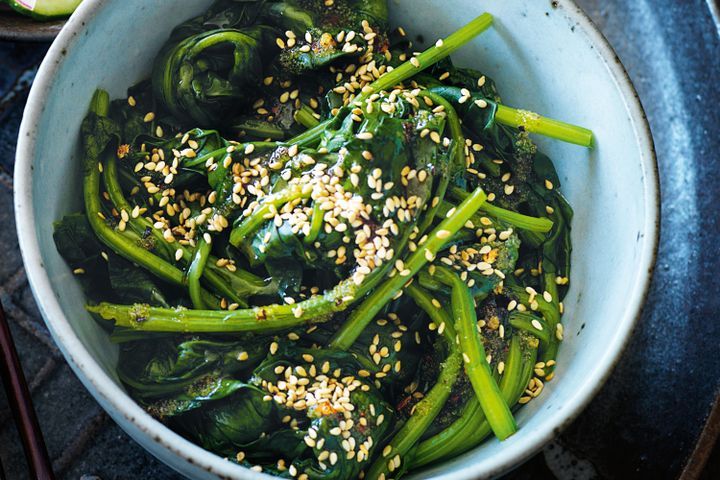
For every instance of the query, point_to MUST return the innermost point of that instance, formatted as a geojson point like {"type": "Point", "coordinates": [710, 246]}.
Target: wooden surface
{"type": "Point", "coordinates": [15, 27]}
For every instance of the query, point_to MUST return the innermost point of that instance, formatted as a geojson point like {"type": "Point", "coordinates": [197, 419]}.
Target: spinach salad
{"type": "Point", "coordinates": [321, 253]}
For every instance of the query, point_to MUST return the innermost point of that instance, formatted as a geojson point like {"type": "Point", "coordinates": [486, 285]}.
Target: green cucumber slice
{"type": "Point", "coordinates": [45, 9]}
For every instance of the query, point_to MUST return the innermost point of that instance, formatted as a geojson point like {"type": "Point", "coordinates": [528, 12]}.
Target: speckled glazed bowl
{"type": "Point", "coordinates": [545, 56]}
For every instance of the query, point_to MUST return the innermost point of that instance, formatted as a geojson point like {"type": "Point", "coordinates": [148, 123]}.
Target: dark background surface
{"type": "Point", "coordinates": [646, 421]}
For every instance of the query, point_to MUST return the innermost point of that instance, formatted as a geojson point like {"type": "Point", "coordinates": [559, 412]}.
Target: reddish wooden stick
{"type": "Point", "coordinates": [21, 406]}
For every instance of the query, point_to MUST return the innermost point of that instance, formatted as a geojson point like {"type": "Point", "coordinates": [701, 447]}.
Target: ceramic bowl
{"type": "Point", "coordinates": [545, 56]}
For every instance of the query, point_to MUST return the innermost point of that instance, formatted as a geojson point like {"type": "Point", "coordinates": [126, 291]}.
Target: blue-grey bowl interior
{"type": "Point", "coordinates": [545, 59]}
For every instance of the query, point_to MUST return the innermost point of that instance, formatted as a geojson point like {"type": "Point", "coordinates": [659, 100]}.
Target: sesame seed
{"type": "Point", "coordinates": [537, 325]}
{"type": "Point", "coordinates": [443, 234]}
{"type": "Point", "coordinates": [548, 184]}
{"type": "Point", "coordinates": [415, 62]}
{"type": "Point", "coordinates": [439, 43]}
{"type": "Point", "coordinates": [481, 103]}
{"type": "Point", "coordinates": [365, 136]}
{"type": "Point", "coordinates": [149, 117]}
{"type": "Point", "coordinates": [131, 101]}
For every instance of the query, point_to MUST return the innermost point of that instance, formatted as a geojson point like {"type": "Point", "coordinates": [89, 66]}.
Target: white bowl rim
{"type": "Point", "coordinates": [110, 394]}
